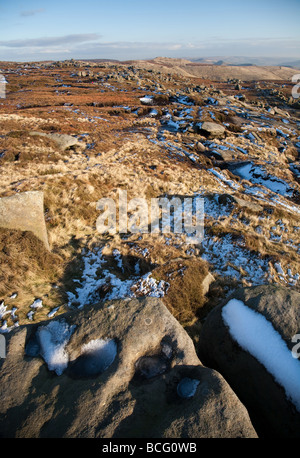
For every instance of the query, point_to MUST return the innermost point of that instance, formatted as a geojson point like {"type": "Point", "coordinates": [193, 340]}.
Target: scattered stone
{"type": "Point", "coordinates": [200, 147]}
{"type": "Point", "coordinates": [212, 130]}
{"type": "Point", "coordinates": [223, 155]}
{"type": "Point", "coordinates": [146, 100]}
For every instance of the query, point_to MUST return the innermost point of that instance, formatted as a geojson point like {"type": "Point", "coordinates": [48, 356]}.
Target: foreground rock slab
{"type": "Point", "coordinates": [261, 382]}
{"type": "Point", "coordinates": [121, 369]}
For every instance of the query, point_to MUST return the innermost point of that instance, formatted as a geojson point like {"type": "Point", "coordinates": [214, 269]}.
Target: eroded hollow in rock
{"type": "Point", "coordinates": [32, 347]}
{"type": "Point", "coordinates": [157, 363]}
{"type": "Point", "coordinates": [96, 356]}
{"type": "Point", "coordinates": [150, 366]}
{"type": "Point", "coordinates": [187, 387]}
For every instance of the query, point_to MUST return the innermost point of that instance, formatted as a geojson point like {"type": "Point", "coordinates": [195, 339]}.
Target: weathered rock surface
{"type": "Point", "coordinates": [25, 212]}
{"type": "Point", "coordinates": [154, 386]}
{"type": "Point", "coordinates": [212, 130]}
{"type": "Point", "coordinates": [271, 412]}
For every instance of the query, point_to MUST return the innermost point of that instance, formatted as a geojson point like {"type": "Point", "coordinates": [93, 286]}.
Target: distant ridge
{"type": "Point", "coordinates": [248, 61]}
{"type": "Point", "coordinates": [219, 70]}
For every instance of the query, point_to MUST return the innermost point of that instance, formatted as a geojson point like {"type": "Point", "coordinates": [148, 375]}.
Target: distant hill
{"type": "Point", "coordinates": [247, 72]}
{"type": "Point", "coordinates": [247, 61]}
{"type": "Point", "coordinates": [219, 70]}
{"type": "Point", "coordinates": [295, 64]}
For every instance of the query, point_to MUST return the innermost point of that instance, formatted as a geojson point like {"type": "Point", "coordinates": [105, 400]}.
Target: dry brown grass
{"type": "Point", "coordinates": [19, 146]}
{"type": "Point", "coordinates": [24, 260]}
{"type": "Point", "coordinates": [185, 296]}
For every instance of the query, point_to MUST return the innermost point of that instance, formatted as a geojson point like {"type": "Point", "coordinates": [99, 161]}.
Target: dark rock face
{"type": "Point", "coordinates": [272, 412]}
{"type": "Point", "coordinates": [121, 369]}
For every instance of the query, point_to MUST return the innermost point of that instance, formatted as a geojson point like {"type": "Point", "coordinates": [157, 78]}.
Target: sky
{"type": "Point", "coordinates": [35, 30]}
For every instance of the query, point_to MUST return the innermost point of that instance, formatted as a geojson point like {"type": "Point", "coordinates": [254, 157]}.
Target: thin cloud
{"type": "Point", "coordinates": [131, 45]}
{"type": "Point", "coordinates": [50, 41]}
{"type": "Point", "coordinates": [31, 12]}
{"type": "Point", "coordinates": [91, 45]}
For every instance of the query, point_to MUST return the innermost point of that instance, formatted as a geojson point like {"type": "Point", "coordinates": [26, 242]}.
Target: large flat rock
{"type": "Point", "coordinates": [128, 369]}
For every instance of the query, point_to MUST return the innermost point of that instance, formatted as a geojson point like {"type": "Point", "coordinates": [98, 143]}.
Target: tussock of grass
{"type": "Point", "coordinates": [185, 295]}
{"type": "Point", "coordinates": [23, 259]}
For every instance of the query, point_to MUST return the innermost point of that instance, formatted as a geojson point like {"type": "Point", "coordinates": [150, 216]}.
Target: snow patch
{"type": "Point", "coordinates": [37, 304]}
{"type": "Point", "coordinates": [255, 174]}
{"type": "Point", "coordinates": [223, 179]}
{"type": "Point", "coordinates": [93, 279]}
{"type": "Point", "coordinates": [231, 259]}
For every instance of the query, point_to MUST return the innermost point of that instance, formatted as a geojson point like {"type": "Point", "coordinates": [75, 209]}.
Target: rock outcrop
{"type": "Point", "coordinates": [114, 370]}
{"type": "Point", "coordinates": [25, 212]}
{"type": "Point", "coordinates": [259, 388]}
{"type": "Point", "coordinates": [63, 141]}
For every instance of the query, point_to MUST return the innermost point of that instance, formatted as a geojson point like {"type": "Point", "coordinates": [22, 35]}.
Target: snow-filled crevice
{"type": "Point", "coordinates": [255, 334]}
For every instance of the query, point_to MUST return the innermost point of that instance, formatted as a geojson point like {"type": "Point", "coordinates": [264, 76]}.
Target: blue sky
{"type": "Point", "coordinates": [131, 29]}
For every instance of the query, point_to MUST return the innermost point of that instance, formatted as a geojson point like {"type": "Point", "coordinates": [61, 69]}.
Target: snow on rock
{"type": "Point", "coordinates": [252, 331]}
{"type": "Point", "coordinates": [146, 100]}
{"type": "Point", "coordinates": [53, 339]}
{"type": "Point", "coordinates": [223, 179]}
